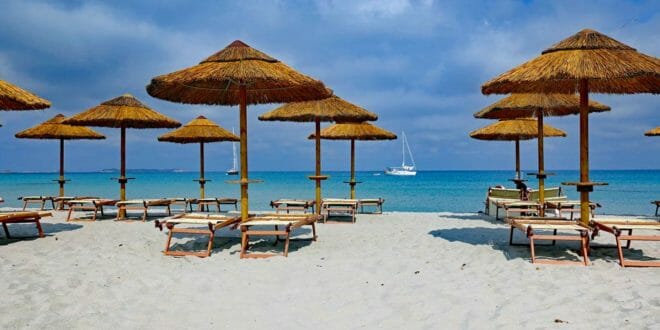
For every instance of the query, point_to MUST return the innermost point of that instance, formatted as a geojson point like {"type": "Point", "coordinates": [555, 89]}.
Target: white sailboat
{"type": "Point", "coordinates": [234, 169]}
{"type": "Point", "coordinates": [404, 170]}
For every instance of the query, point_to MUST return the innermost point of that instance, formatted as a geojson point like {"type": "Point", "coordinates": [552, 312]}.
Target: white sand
{"type": "Point", "coordinates": [398, 270]}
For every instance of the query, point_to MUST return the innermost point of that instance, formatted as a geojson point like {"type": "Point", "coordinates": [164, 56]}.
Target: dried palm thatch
{"type": "Point", "coordinates": [15, 98]}
{"type": "Point", "coordinates": [238, 75]}
{"type": "Point", "coordinates": [523, 105]}
{"type": "Point", "coordinates": [355, 131]}
{"type": "Point", "coordinates": [199, 130]}
{"type": "Point", "coordinates": [515, 129]}
{"type": "Point", "coordinates": [54, 129]}
{"type": "Point", "coordinates": [609, 65]}
{"type": "Point", "coordinates": [217, 80]}
{"type": "Point", "coordinates": [123, 111]}
{"type": "Point", "coordinates": [653, 132]}
{"type": "Point", "coordinates": [332, 108]}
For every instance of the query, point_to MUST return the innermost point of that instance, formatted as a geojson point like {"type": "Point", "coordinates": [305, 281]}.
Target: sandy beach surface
{"type": "Point", "coordinates": [392, 271]}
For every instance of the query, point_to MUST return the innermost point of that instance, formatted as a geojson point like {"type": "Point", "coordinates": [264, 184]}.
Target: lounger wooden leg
{"type": "Point", "coordinates": [169, 210]}
{"type": "Point", "coordinates": [531, 248]}
{"type": "Point", "coordinates": [585, 246]}
{"type": "Point", "coordinates": [210, 246]}
{"type": "Point", "coordinates": [94, 215]}
{"type": "Point", "coordinates": [554, 232]}
{"type": "Point", "coordinates": [39, 229]}
{"type": "Point", "coordinates": [52, 203]}
{"type": "Point", "coordinates": [169, 240]}
{"type": "Point", "coordinates": [218, 206]}
{"type": "Point", "coordinates": [511, 235]}
{"type": "Point", "coordinates": [629, 241]}
{"type": "Point", "coordinates": [286, 244]}
{"type": "Point", "coordinates": [277, 237]}
{"type": "Point", "coordinates": [144, 215]}
{"type": "Point", "coordinates": [244, 241]}
{"type": "Point", "coordinates": [25, 203]}
{"type": "Point", "coordinates": [314, 231]}
{"type": "Point", "coordinates": [620, 250]}
{"type": "Point", "coordinates": [6, 229]}
{"type": "Point", "coordinates": [102, 214]}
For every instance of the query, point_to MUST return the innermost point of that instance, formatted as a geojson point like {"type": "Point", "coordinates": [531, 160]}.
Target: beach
{"type": "Point", "coordinates": [396, 270]}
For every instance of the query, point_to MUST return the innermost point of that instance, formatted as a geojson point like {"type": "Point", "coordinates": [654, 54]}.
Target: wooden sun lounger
{"type": "Point", "coordinates": [375, 202]}
{"type": "Point", "coordinates": [530, 226]}
{"type": "Point", "coordinates": [565, 206]}
{"type": "Point", "coordinates": [40, 200]}
{"type": "Point", "coordinates": [287, 221]}
{"type": "Point", "coordinates": [185, 203]}
{"type": "Point", "coordinates": [89, 204]}
{"type": "Point", "coordinates": [617, 226]}
{"type": "Point", "coordinates": [204, 203]}
{"type": "Point", "coordinates": [61, 201]}
{"type": "Point", "coordinates": [212, 221]}
{"type": "Point", "coordinates": [521, 208]}
{"type": "Point", "coordinates": [339, 206]}
{"type": "Point", "coordinates": [289, 205]}
{"type": "Point", "coordinates": [142, 205]}
{"type": "Point", "coordinates": [23, 217]}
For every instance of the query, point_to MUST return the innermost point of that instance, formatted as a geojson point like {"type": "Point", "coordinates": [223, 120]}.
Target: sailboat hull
{"type": "Point", "coordinates": [400, 172]}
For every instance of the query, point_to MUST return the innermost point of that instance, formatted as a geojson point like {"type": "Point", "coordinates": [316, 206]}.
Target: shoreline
{"type": "Point", "coordinates": [396, 270]}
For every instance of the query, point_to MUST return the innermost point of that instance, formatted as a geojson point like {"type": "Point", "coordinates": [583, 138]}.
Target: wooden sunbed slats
{"type": "Point", "coordinates": [213, 223]}
{"type": "Point", "coordinates": [23, 217]}
{"type": "Point", "coordinates": [617, 227]}
{"type": "Point", "coordinates": [288, 222]}
{"type": "Point", "coordinates": [528, 226]}
{"type": "Point", "coordinates": [143, 205]}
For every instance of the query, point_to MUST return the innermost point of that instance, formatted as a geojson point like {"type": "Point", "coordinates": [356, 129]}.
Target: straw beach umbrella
{"type": "Point", "coordinates": [330, 109]}
{"type": "Point", "coordinates": [15, 98]}
{"type": "Point", "coordinates": [588, 61]}
{"type": "Point", "coordinates": [515, 130]}
{"type": "Point", "coordinates": [238, 75]}
{"type": "Point", "coordinates": [200, 130]}
{"type": "Point", "coordinates": [122, 112]}
{"type": "Point", "coordinates": [53, 129]}
{"type": "Point", "coordinates": [653, 132]}
{"type": "Point", "coordinates": [526, 105]}
{"type": "Point", "coordinates": [354, 131]}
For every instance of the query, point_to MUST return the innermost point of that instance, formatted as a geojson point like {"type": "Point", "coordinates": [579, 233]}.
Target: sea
{"type": "Point", "coordinates": [629, 191]}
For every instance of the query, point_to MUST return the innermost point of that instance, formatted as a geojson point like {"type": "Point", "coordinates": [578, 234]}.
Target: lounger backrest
{"type": "Point", "coordinates": [504, 193]}
{"type": "Point", "coordinates": [549, 193]}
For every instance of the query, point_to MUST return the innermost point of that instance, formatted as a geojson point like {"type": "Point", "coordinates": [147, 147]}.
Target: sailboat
{"type": "Point", "coordinates": [404, 170]}
{"type": "Point", "coordinates": [234, 169]}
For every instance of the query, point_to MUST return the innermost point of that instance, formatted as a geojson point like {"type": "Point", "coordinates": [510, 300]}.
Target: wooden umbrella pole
{"type": "Point", "coordinates": [122, 173]}
{"type": "Point", "coordinates": [201, 170]}
{"type": "Point", "coordinates": [541, 173]}
{"type": "Point", "coordinates": [61, 180]}
{"type": "Point", "coordinates": [518, 160]}
{"type": "Point", "coordinates": [317, 140]}
{"type": "Point", "coordinates": [584, 151]}
{"type": "Point", "coordinates": [244, 152]}
{"type": "Point", "coordinates": [352, 183]}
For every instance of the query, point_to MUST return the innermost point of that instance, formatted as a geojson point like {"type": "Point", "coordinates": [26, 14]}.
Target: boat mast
{"type": "Point", "coordinates": [233, 147]}
{"type": "Point", "coordinates": [409, 152]}
{"type": "Point", "coordinates": [403, 149]}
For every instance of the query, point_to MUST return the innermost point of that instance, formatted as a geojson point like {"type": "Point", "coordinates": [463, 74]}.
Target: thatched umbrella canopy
{"type": "Point", "coordinates": [122, 112]}
{"type": "Point", "coordinates": [537, 105]}
{"type": "Point", "coordinates": [199, 130]}
{"type": "Point", "coordinates": [53, 129]}
{"type": "Point", "coordinates": [587, 61]}
{"type": "Point", "coordinates": [332, 108]}
{"type": "Point", "coordinates": [653, 132]}
{"type": "Point", "coordinates": [515, 130]}
{"type": "Point", "coordinates": [15, 98]}
{"type": "Point", "coordinates": [238, 75]}
{"type": "Point", "coordinates": [354, 131]}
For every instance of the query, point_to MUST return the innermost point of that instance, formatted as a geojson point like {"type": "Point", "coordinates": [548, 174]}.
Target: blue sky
{"type": "Point", "coordinates": [418, 64]}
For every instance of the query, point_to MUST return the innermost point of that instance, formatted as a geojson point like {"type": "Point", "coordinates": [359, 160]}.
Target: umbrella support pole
{"type": "Point", "coordinates": [584, 151]}
{"type": "Point", "coordinates": [518, 160]}
{"type": "Point", "coordinates": [352, 183]}
{"type": "Point", "coordinates": [244, 152]}
{"type": "Point", "coordinates": [201, 170]}
{"type": "Point", "coordinates": [122, 175]}
{"type": "Point", "coordinates": [61, 180]}
{"type": "Point", "coordinates": [317, 174]}
{"type": "Point", "coordinates": [541, 174]}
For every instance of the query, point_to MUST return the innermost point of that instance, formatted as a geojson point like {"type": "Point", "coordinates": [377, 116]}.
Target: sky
{"type": "Point", "coordinates": [418, 64]}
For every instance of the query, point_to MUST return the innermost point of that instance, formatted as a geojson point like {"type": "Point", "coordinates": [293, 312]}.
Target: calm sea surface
{"type": "Point", "coordinates": [629, 192]}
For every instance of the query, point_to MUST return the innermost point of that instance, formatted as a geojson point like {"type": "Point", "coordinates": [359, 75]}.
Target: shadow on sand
{"type": "Point", "coordinates": [28, 231]}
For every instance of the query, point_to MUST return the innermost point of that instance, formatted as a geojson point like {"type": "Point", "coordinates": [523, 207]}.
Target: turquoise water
{"type": "Point", "coordinates": [629, 192]}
